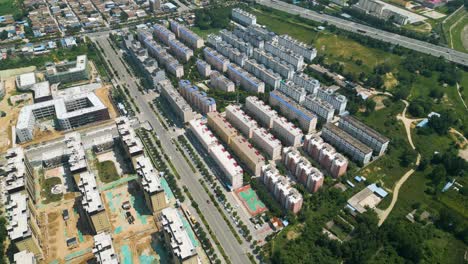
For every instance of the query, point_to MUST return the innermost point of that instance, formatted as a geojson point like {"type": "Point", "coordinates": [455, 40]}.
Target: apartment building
{"type": "Point", "coordinates": [186, 35]}
{"type": "Point", "coordinates": [302, 170]}
{"type": "Point", "coordinates": [227, 50]}
{"type": "Point", "coordinates": [203, 68]}
{"type": "Point", "coordinates": [181, 108]}
{"type": "Point", "coordinates": [165, 59]}
{"type": "Point", "coordinates": [19, 174]}
{"type": "Point", "coordinates": [240, 120]}
{"type": "Point", "coordinates": [23, 224]}
{"type": "Point", "coordinates": [76, 154]}
{"type": "Point", "coordinates": [337, 100]}
{"type": "Point", "coordinates": [293, 91]}
{"type": "Point", "coordinates": [260, 111]}
{"type": "Point", "coordinates": [150, 182]}
{"type": "Point", "coordinates": [232, 172]}
{"type": "Point", "coordinates": [91, 201]}
{"type": "Point", "coordinates": [245, 80]}
{"type": "Point", "coordinates": [365, 134]}
{"type": "Point", "coordinates": [132, 143]}
{"type": "Point", "coordinates": [236, 42]}
{"type": "Point", "coordinates": [287, 132]}
{"type": "Point", "coordinates": [332, 161]}
{"type": "Point", "coordinates": [281, 188]}
{"type": "Point", "coordinates": [267, 143]}
{"type": "Point", "coordinates": [177, 238]}
{"type": "Point", "coordinates": [203, 133]}
{"type": "Point", "coordinates": [307, 120]}
{"type": "Point", "coordinates": [321, 108]}
{"type": "Point", "coordinates": [218, 61]}
{"type": "Point", "coordinates": [306, 51]}
{"type": "Point", "coordinates": [249, 36]}
{"type": "Point", "coordinates": [249, 155]}
{"type": "Point", "coordinates": [103, 249]}
{"type": "Point", "coordinates": [310, 84]}
{"type": "Point", "coordinates": [275, 63]}
{"type": "Point", "coordinates": [197, 99]}
{"type": "Point", "coordinates": [182, 52]}
{"type": "Point", "coordinates": [266, 75]}
{"type": "Point", "coordinates": [163, 34]}
{"type": "Point", "coordinates": [221, 82]}
{"type": "Point", "coordinates": [243, 17]}
{"type": "Point", "coordinates": [221, 127]}
{"type": "Point", "coordinates": [68, 71]}
{"type": "Point", "coordinates": [287, 55]}
{"type": "Point", "coordinates": [343, 141]}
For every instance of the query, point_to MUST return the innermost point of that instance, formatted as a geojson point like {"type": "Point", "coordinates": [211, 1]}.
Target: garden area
{"type": "Point", "coordinates": [107, 171]}
{"type": "Point", "coordinates": [47, 186]}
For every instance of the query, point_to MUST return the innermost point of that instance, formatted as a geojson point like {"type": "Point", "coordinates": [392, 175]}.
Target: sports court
{"type": "Point", "coordinates": [250, 200]}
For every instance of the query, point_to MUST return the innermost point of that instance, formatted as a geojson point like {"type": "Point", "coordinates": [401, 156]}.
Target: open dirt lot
{"type": "Point", "coordinates": [103, 94]}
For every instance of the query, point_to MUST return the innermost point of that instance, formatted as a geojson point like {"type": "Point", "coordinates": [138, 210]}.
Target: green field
{"type": "Point", "coordinates": [8, 7]}
{"type": "Point", "coordinates": [107, 171]}
{"type": "Point", "coordinates": [456, 34]}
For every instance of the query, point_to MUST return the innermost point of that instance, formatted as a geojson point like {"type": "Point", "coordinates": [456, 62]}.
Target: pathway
{"type": "Point", "coordinates": [407, 123]}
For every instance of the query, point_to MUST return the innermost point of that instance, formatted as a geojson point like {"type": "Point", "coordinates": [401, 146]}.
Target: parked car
{"type": "Point", "coordinates": [65, 215]}
{"type": "Point", "coordinates": [126, 205]}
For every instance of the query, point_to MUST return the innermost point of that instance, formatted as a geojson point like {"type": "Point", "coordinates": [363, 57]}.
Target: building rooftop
{"type": "Point", "coordinates": [77, 154]}
{"type": "Point", "coordinates": [17, 214]}
{"type": "Point", "coordinates": [41, 90]}
{"type": "Point", "coordinates": [242, 116]}
{"type": "Point", "coordinates": [293, 106]}
{"type": "Point", "coordinates": [15, 169]}
{"type": "Point", "coordinates": [288, 126]}
{"type": "Point", "coordinates": [180, 241]}
{"type": "Point", "coordinates": [249, 152]}
{"type": "Point", "coordinates": [361, 126]}
{"type": "Point", "coordinates": [149, 175]}
{"type": "Point", "coordinates": [222, 123]}
{"type": "Point", "coordinates": [26, 79]}
{"type": "Point", "coordinates": [347, 137]}
{"type": "Point", "coordinates": [225, 158]}
{"type": "Point", "coordinates": [91, 199]}
{"type": "Point", "coordinates": [24, 257]}
{"type": "Point", "coordinates": [103, 249]}
{"type": "Point", "coordinates": [266, 109]}
{"type": "Point", "coordinates": [128, 135]}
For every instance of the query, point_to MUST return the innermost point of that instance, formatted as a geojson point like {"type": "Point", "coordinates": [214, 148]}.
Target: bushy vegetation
{"type": "Point", "coordinates": [107, 171]}
{"type": "Point", "coordinates": [212, 18]}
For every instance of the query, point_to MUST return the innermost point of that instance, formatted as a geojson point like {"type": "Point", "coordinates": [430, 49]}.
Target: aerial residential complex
{"type": "Point", "coordinates": [221, 82]}
{"type": "Point", "coordinates": [306, 51]}
{"type": "Point", "coordinates": [218, 61]}
{"type": "Point", "coordinates": [203, 68]}
{"type": "Point", "coordinates": [186, 35]}
{"type": "Point", "coordinates": [332, 161]}
{"type": "Point", "coordinates": [246, 80]}
{"type": "Point", "coordinates": [176, 101]}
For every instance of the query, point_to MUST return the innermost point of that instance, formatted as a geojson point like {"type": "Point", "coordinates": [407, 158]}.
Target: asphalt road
{"type": "Point", "coordinates": [235, 251]}
{"type": "Point", "coordinates": [417, 45]}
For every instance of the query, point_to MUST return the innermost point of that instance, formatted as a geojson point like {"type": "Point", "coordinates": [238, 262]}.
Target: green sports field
{"type": "Point", "coordinates": [250, 200]}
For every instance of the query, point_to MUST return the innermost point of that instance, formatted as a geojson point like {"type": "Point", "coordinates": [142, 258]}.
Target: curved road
{"type": "Point", "coordinates": [417, 45]}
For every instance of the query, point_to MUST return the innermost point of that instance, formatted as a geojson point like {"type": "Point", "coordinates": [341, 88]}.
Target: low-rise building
{"type": "Point", "coordinates": [203, 68]}
{"type": "Point", "coordinates": [177, 237]}
{"type": "Point", "coordinates": [176, 101]}
{"type": "Point", "coordinates": [68, 71]}
{"type": "Point", "coordinates": [343, 141]}
{"type": "Point", "coordinates": [151, 184]}
{"type": "Point", "coordinates": [243, 17]}
{"type": "Point", "coordinates": [24, 257]}
{"type": "Point", "coordinates": [280, 187]}
{"type": "Point", "coordinates": [240, 120]}
{"type": "Point", "coordinates": [221, 82]}
{"type": "Point", "coordinates": [287, 132]}
{"type": "Point", "coordinates": [310, 84]}
{"type": "Point", "coordinates": [261, 111]}
{"type": "Point", "coordinates": [266, 75]}
{"type": "Point", "coordinates": [267, 143]}
{"type": "Point", "coordinates": [321, 108]}
{"type": "Point", "coordinates": [103, 249]}
{"type": "Point", "coordinates": [307, 120]}
{"type": "Point", "coordinates": [244, 79]}
{"type": "Point", "coordinates": [186, 35]}
{"type": "Point", "coordinates": [25, 81]}
{"type": "Point", "coordinates": [365, 134]}
{"type": "Point", "coordinates": [306, 51]}
{"type": "Point", "coordinates": [218, 61]}
{"type": "Point", "coordinates": [196, 98]}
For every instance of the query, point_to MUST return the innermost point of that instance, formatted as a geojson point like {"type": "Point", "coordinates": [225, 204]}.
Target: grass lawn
{"type": "Point", "coordinates": [107, 171]}
{"type": "Point", "coordinates": [8, 7]}
{"type": "Point", "coordinates": [205, 32]}
{"type": "Point", "coordinates": [46, 187]}
{"type": "Point", "coordinates": [457, 31]}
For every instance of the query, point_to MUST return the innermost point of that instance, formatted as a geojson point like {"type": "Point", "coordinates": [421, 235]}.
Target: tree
{"type": "Point", "coordinates": [3, 35]}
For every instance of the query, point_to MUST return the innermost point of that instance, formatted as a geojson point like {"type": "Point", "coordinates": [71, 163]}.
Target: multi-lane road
{"type": "Point", "coordinates": [417, 45]}
{"type": "Point", "coordinates": [236, 252]}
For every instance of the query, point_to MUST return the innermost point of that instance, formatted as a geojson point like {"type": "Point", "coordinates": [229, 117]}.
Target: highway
{"type": "Point", "coordinates": [417, 45]}
{"type": "Point", "coordinates": [232, 248]}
